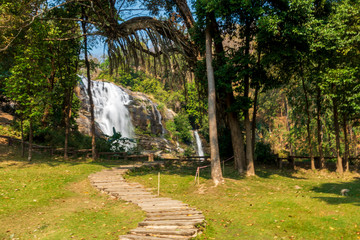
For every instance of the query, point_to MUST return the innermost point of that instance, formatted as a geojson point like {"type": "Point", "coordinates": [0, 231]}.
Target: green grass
{"type": "Point", "coordinates": [268, 206]}
{"type": "Point", "coordinates": [52, 199]}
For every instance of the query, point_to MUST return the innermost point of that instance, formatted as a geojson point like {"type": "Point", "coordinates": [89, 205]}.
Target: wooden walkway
{"type": "Point", "coordinates": [165, 218]}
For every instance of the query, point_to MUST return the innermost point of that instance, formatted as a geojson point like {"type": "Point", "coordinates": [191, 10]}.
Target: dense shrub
{"type": "Point", "coordinates": [264, 153]}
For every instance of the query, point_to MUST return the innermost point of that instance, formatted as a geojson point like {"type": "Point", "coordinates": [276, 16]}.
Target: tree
{"type": "Point", "coordinates": [26, 84]}
{"type": "Point", "coordinates": [215, 157]}
{"type": "Point", "coordinates": [89, 92]}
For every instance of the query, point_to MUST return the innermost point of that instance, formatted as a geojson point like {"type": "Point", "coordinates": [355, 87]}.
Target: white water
{"type": "Point", "coordinates": [158, 114]}
{"type": "Point", "coordinates": [110, 110]}
{"type": "Point", "coordinates": [199, 148]}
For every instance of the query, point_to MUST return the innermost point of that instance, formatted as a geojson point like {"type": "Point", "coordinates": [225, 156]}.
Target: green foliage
{"type": "Point", "coordinates": [119, 143]}
{"type": "Point", "coordinates": [56, 137]}
{"type": "Point", "coordinates": [180, 128]}
{"type": "Point", "coordinates": [196, 106]}
{"type": "Point", "coordinates": [264, 153]}
{"type": "Point", "coordinates": [140, 82]}
{"type": "Point", "coordinates": [183, 128]}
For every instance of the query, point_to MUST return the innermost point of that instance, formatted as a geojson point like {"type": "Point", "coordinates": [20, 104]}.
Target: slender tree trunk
{"type": "Point", "coordinates": [307, 106]}
{"type": "Point", "coordinates": [30, 140]}
{"type": "Point", "coordinates": [319, 129]}
{"type": "Point", "coordinates": [253, 123]}
{"type": "Point", "coordinates": [249, 152]}
{"type": "Point", "coordinates": [250, 171]}
{"type": "Point", "coordinates": [288, 126]}
{"type": "Point", "coordinates": [353, 140]}
{"type": "Point", "coordinates": [155, 73]}
{"type": "Point", "coordinates": [67, 130]}
{"type": "Point", "coordinates": [237, 139]}
{"type": "Point", "coordinates": [67, 123]}
{"type": "Point", "coordinates": [355, 143]}
{"type": "Point", "coordinates": [346, 143]}
{"type": "Point", "coordinates": [339, 167]}
{"type": "Point", "coordinates": [92, 116]}
{"type": "Point", "coordinates": [22, 138]}
{"type": "Point", "coordinates": [215, 157]}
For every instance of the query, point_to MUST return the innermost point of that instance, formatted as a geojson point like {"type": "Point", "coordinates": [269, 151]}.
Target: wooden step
{"type": "Point", "coordinates": [176, 217]}
{"type": "Point", "coordinates": [142, 237]}
{"type": "Point", "coordinates": [191, 212]}
{"type": "Point", "coordinates": [189, 223]}
{"type": "Point", "coordinates": [166, 218]}
{"type": "Point", "coordinates": [164, 231]}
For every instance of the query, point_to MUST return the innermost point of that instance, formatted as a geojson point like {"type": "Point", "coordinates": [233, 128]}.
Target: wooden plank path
{"type": "Point", "coordinates": [165, 218]}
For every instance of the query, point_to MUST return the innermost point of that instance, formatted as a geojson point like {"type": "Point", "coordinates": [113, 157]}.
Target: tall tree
{"type": "Point", "coordinates": [215, 156]}
{"type": "Point", "coordinates": [89, 91]}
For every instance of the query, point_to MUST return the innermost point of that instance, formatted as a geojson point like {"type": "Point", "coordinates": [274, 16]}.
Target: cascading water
{"type": "Point", "coordinates": [199, 148]}
{"type": "Point", "coordinates": [158, 114]}
{"type": "Point", "coordinates": [110, 110]}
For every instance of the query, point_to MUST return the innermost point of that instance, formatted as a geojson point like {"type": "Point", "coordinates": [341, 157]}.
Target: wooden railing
{"type": "Point", "coordinates": [292, 160]}
{"type": "Point", "coordinates": [118, 155]}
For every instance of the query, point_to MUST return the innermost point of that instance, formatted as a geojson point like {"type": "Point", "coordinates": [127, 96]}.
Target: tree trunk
{"type": "Point", "coordinates": [288, 126]}
{"type": "Point", "coordinates": [67, 123]}
{"type": "Point", "coordinates": [355, 143]}
{"type": "Point", "coordinates": [215, 157]}
{"type": "Point", "coordinates": [319, 129]}
{"type": "Point", "coordinates": [346, 143]}
{"type": "Point", "coordinates": [250, 170]}
{"type": "Point", "coordinates": [185, 13]}
{"type": "Point", "coordinates": [22, 138]}
{"type": "Point", "coordinates": [307, 106]}
{"type": "Point", "coordinates": [30, 140]}
{"type": "Point", "coordinates": [339, 166]}
{"type": "Point", "coordinates": [249, 152]}
{"type": "Point", "coordinates": [237, 139]}
{"type": "Point", "coordinates": [253, 123]}
{"type": "Point", "coordinates": [353, 140]}
{"type": "Point", "coordinates": [92, 116]}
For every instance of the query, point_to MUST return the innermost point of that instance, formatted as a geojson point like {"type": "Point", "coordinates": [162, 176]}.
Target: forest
{"type": "Point", "coordinates": [260, 79]}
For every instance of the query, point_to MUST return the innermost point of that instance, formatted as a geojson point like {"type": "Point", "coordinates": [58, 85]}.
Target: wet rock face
{"type": "Point", "coordinates": [6, 105]}
{"type": "Point", "coordinates": [145, 116]}
{"type": "Point", "coordinates": [83, 122]}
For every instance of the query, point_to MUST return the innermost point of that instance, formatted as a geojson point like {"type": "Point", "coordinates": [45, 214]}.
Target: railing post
{"type": "Point", "coordinates": [151, 157]}
{"type": "Point", "coordinates": [278, 161]}
{"type": "Point", "coordinates": [291, 159]}
{"type": "Point", "coordinates": [317, 162]}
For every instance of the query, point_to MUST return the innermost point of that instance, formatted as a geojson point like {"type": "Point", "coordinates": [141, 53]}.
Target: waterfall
{"type": "Point", "coordinates": [158, 114]}
{"type": "Point", "coordinates": [199, 148]}
{"type": "Point", "coordinates": [110, 110]}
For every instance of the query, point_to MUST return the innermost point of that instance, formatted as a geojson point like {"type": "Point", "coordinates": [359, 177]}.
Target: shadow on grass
{"type": "Point", "coordinates": [352, 197]}
{"type": "Point", "coordinates": [11, 155]}
{"type": "Point", "coordinates": [190, 169]}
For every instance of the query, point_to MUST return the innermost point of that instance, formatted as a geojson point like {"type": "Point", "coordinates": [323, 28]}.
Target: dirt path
{"type": "Point", "coordinates": [166, 218]}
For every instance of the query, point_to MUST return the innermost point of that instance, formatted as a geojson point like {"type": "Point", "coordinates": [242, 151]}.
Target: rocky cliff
{"type": "Point", "coordinates": [146, 117]}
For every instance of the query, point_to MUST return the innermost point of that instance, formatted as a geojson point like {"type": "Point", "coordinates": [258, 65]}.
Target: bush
{"type": "Point", "coordinates": [264, 153]}
{"type": "Point", "coordinates": [183, 128]}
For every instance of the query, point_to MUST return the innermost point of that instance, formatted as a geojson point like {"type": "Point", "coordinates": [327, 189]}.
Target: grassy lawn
{"type": "Point", "coordinates": [274, 205]}
{"type": "Point", "coordinates": [52, 199]}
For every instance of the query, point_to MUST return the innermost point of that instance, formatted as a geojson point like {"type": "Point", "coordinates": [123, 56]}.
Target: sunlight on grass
{"type": "Point", "coordinates": [52, 199]}
{"type": "Point", "coordinates": [274, 205]}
